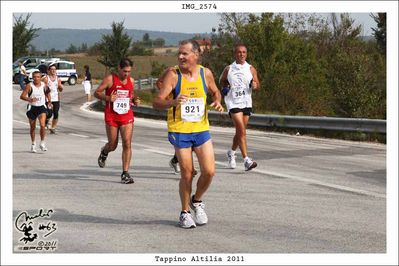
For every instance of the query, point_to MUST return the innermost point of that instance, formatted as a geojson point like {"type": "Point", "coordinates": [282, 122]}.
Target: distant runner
{"type": "Point", "coordinates": [35, 94]}
{"type": "Point", "coordinates": [55, 87]}
{"type": "Point", "coordinates": [238, 80]}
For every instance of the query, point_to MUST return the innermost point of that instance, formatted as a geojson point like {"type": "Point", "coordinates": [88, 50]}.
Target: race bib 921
{"type": "Point", "coordinates": [193, 110]}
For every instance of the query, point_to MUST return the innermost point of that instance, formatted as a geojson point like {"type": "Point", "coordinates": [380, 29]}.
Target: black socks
{"type": "Point", "coordinates": [195, 201]}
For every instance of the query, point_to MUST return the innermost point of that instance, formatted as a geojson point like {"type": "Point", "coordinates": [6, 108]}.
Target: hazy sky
{"type": "Point", "coordinates": [174, 22]}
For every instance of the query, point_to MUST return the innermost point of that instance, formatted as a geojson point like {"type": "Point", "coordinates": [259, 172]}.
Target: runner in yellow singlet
{"type": "Point", "coordinates": [184, 93]}
{"type": "Point", "coordinates": [174, 162]}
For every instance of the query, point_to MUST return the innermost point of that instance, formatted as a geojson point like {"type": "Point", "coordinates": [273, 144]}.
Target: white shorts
{"type": "Point", "coordinates": [87, 86]}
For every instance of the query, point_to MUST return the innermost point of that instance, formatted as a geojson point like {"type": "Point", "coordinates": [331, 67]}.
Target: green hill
{"type": "Point", "coordinates": [61, 39]}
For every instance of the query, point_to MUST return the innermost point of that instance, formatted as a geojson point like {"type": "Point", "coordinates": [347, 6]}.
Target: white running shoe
{"type": "Point", "coordinates": [43, 146]}
{"type": "Point", "coordinates": [231, 157]}
{"type": "Point", "coordinates": [199, 212]}
{"type": "Point", "coordinates": [249, 164]}
{"type": "Point", "coordinates": [33, 148]}
{"type": "Point", "coordinates": [175, 166]}
{"type": "Point", "coordinates": [186, 220]}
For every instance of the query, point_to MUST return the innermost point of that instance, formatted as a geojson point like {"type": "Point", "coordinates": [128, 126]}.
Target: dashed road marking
{"type": "Point", "coordinates": [78, 135]}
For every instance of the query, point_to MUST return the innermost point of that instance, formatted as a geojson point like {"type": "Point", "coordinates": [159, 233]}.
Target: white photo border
{"type": "Point", "coordinates": [390, 7]}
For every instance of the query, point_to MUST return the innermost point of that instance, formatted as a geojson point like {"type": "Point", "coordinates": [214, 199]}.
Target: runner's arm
{"type": "Point", "coordinates": [255, 81]}
{"type": "Point", "coordinates": [24, 95]}
{"type": "Point", "coordinates": [100, 91]}
{"type": "Point", "coordinates": [161, 101]}
{"type": "Point", "coordinates": [223, 78]}
{"type": "Point", "coordinates": [48, 96]}
{"type": "Point", "coordinates": [45, 80]}
{"type": "Point", "coordinates": [224, 83]}
{"type": "Point", "coordinates": [162, 77]}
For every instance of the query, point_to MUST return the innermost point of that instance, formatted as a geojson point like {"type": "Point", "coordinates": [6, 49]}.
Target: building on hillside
{"type": "Point", "coordinates": [204, 43]}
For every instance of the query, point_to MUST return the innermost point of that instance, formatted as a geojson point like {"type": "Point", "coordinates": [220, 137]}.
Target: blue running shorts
{"type": "Point", "coordinates": [186, 140]}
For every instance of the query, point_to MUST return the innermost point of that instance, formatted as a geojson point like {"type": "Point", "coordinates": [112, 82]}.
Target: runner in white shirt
{"type": "Point", "coordinates": [237, 81]}
{"type": "Point", "coordinates": [55, 87]}
{"type": "Point", "coordinates": [35, 94]}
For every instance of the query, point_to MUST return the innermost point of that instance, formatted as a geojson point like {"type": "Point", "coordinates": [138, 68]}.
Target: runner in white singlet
{"type": "Point", "coordinates": [238, 80]}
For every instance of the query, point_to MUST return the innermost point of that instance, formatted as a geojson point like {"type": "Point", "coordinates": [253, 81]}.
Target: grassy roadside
{"type": "Point", "coordinates": [141, 65]}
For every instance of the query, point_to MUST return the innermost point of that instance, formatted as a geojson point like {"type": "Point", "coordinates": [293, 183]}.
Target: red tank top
{"type": "Point", "coordinates": [122, 90]}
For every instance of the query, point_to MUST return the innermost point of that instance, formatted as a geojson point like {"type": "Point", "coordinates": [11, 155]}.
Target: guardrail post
{"type": "Point", "coordinates": [139, 84]}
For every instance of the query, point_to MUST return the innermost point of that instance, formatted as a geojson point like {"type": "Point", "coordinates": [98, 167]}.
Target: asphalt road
{"type": "Point", "coordinates": [308, 195]}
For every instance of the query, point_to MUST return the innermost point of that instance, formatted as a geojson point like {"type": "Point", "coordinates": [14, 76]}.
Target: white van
{"type": "Point", "coordinates": [66, 71]}
{"type": "Point", "coordinates": [29, 62]}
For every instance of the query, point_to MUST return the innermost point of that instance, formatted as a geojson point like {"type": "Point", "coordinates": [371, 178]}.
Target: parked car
{"type": "Point", "coordinates": [29, 62]}
{"type": "Point", "coordinates": [66, 71]}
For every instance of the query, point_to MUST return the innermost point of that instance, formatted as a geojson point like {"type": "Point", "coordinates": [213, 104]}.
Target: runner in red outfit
{"type": "Point", "coordinates": [119, 113]}
{"type": "Point", "coordinates": [117, 92]}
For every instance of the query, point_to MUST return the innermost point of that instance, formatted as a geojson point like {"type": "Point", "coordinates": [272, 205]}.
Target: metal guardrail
{"type": "Point", "coordinates": [324, 123]}
{"type": "Point", "coordinates": [293, 122]}
{"type": "Point", "coordinates": [139, 83]}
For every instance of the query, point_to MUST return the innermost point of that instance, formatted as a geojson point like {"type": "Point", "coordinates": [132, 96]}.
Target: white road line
{"type": "Point", "coordinates": [321, 183]}
{"type": "Point", "coordinates": [313, 182]}
{"type": "Point", "coordinates": [21, 122]}
{"type": "Point", "coordinates": [78, 135]}
{"type": "Point", "coordinates": [159, 152]}
{"type": "Point", "coordinates": [151, 149]}
{"type": "Point", "coordinates": [292, 177]}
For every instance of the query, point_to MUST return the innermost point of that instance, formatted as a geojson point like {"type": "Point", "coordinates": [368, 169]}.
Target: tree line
{"type": "Point", "coordinates": [307, 65]}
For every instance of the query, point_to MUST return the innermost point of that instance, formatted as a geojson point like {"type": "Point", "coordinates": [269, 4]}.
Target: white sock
{"type": "Point", "coordinates": [232, 152]}
{"type": "Point", "coordinates": [42, 142]}
{"type": "Point", "coordinates": [246, 158]}
{"type": "Point", "coordinates": [33, 143]}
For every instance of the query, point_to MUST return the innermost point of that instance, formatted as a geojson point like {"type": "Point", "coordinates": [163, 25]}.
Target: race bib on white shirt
{"type": "Point", "coordinates": [122, 103]}
{"type": "Point", "coordinates": [38, 93]}
{"type": "Point", "coordinates": [239, 94]}
{"type": "Point", "coordinates": [39, 101]}
{"type": "Point", "coordinates": [193, 110]}
{"type": "Point", "coordinates": [239, 77]}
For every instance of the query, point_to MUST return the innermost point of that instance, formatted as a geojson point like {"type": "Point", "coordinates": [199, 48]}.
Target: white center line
{"type": "Point", "coordinates": [292, 177]}
{"type": "Point", "coordinates": [78, 135]}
